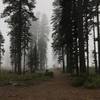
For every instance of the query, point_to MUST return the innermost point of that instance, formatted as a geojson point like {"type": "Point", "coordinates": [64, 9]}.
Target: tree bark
{"type": "Point", "coordinates": [81, 38]}
{"type": "Point", "coordinates": [98, 32]}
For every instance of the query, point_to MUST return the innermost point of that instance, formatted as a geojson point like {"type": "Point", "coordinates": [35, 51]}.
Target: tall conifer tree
{"type": "Point", "coordinates": [19, 13]}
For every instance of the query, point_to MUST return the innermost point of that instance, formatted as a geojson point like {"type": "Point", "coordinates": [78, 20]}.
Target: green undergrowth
{"type": "Point", "coordinates": [49, 73]}
{"type": "Point", "coordinates": [7, 78]}
{"type": "Point", "coordinates": [91, 82]}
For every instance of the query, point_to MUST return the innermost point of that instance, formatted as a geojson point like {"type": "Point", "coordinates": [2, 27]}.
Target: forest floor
{"type": "Point", "coordinates": [57, 88]}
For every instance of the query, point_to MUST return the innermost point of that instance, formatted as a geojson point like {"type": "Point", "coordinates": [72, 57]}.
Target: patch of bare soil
{"type": "Point", "coordinates": [58, 88]}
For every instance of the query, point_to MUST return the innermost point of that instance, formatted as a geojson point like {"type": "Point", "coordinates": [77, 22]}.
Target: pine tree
{"type": "Point", "coordinates": [42, 41]}
{"type": "Point", "coordinates": [40, 32]}
{"type": "Point", "coordinates": [19, 13]}
{"type": "Point", "coordinates": [72, 23]}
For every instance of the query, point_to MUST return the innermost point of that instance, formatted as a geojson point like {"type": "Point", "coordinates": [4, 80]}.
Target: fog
{"type": "Point", "coordinates": [42, 6]}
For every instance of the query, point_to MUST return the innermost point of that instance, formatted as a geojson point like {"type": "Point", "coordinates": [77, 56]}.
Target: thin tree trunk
{"type": "Point", "coordinates": [87, 43]}
{"type": "Point", "coordinates": [63, 59]}
{"type": "Point", "coordinates": [87, 55]}
{"type": "Point", "coordinates": [81, 38]}
{"type": "Point", "coordinates": [67, 60]}
{"type": "Point", "coordinates": [98, 32]}
{"type": "Point", "coordinates": [95, 55]}
{"type": "Point", "coordinates": [24, 61]}
{"type": "Point", "coordinates": [76, 58]}
{"type": "Point", "coordinates": [19, 42]}
{"type": "Point", "coordinates": [0, 57]}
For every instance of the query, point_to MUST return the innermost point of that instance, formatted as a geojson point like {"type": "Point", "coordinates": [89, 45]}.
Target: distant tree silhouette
{"type": "Point", "coordinates": [40, 30]}
{"type": "Point", "coordinates": [1, 48]}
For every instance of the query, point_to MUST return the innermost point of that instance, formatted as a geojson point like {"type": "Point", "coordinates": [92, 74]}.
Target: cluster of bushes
{"type": "Point", "coordinates": [91, 81]}
{"type": "Point", "coordinates": [7, 78]}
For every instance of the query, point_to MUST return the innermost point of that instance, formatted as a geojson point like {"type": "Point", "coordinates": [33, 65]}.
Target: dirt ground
{"type": "Point", "coordinates": [58, 88]}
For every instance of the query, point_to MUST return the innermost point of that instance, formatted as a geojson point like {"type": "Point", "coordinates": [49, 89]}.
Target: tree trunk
{"type": "Point", "coordinates": [81, 38]}
{"type": "Point", "coordinates": [63, 59]}
{"type": "Point", "coordinates": [24, 61]}
{"type": "Point", "coordinates": [0, 57]}
{"type": "Point", "coordinates": [19, 37]}
{"type": "Point", "coordinates": [98, 32]}
{"type": "Point", "coordinates": [95, 54]}
{"type": "Point", "coordinates": [87, 41]}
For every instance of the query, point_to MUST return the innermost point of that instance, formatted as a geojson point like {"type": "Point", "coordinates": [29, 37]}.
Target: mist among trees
{"type": "Point", "coordinates": [74, 24]}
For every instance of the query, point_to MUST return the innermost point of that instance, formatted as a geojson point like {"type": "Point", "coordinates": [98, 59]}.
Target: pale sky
{"type": "Point", "coordinates": [44, 6]}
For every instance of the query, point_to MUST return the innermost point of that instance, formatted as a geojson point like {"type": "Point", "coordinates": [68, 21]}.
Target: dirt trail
{"type": "Point", "coordinates": [58, 88]}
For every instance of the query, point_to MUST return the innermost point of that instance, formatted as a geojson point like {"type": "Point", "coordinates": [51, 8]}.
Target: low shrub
{"type": "Point", "coordinates": [24, 79]}
{"type": "Point", "coordinates": [48, 73]}
{"type": "Point", "coordinates": [78, 81]}
{"type": "Point", "coordinates": [90, 82]}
